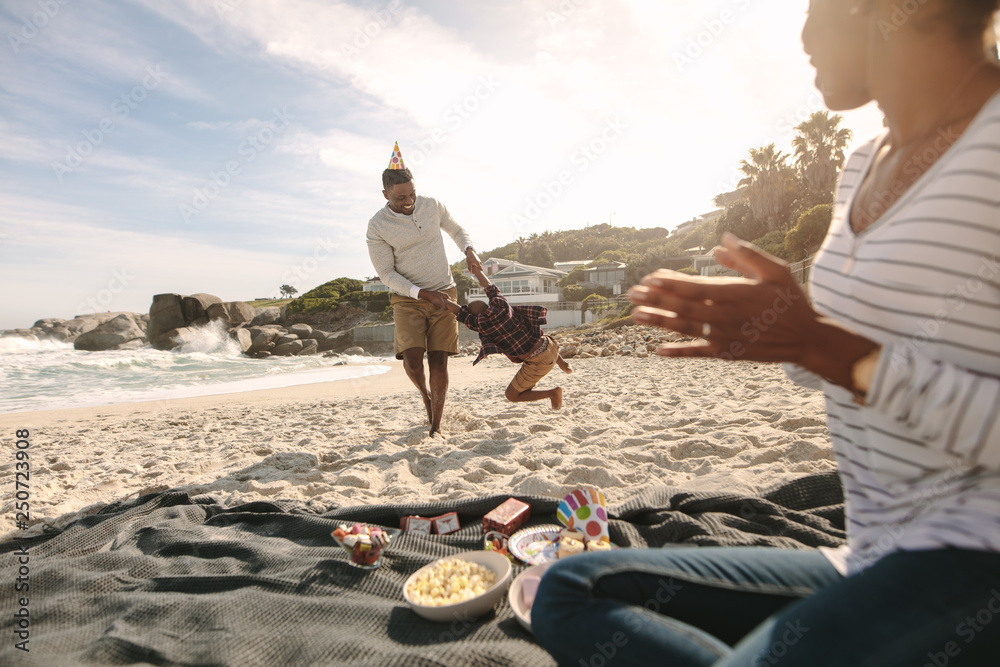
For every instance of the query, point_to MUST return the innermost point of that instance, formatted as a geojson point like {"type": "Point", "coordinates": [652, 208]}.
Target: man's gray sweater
{"type": "Point", "coordinates": [409, 251]}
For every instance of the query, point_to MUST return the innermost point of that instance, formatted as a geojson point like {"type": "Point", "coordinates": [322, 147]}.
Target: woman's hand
{"type": "Point", "coordinates": [764, 316]}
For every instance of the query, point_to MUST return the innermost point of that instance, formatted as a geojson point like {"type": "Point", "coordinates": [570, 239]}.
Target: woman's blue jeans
{"type": "Point", "coordinates": [750, 606]}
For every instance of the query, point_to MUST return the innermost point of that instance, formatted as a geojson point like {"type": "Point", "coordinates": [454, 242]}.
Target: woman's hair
{"type": "Point", "coordinates": [391, 177]}
{"type": "Point", "coordinates": [971, 17]}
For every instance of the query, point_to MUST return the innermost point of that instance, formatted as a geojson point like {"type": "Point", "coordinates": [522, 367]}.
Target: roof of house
{"type": "Point", "coordinates": [517, 269]}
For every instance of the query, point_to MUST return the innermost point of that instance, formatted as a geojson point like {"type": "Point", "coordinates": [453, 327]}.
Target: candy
{"type": "Point", "coordinates": [365, 542]}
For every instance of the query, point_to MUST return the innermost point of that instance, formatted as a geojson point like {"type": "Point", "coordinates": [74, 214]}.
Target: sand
{"type": "Point", "coordinates": [628, 424]}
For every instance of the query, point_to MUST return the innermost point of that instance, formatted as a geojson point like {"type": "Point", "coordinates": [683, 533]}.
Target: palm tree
{"type": "Point", "coordinates": [819, 151]}
{"type": "Point", "coordinates": [767, 181]}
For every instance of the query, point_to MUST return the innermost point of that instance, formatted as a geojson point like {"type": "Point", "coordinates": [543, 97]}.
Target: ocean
{"type": "Point", "coordinates": [50, 375]}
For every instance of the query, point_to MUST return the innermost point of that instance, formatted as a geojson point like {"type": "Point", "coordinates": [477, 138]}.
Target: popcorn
{"type": "Point", "coordinates": [450, 581]}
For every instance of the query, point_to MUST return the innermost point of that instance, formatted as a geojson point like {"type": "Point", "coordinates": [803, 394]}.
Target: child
{"type": "Point", "coordinates": [514, 331]}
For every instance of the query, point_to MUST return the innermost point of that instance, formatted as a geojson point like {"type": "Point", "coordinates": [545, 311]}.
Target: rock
{"type": "Point", "coordinates": [317, 335]}
{"type": "Point", "coordinates": [165, 314]}
{"type": "Point", "coordinates": [335, 341]}
{"type": "Point", "coordinates": [243, 338]}
{"type": "Point", "coordinates": [110, 335]}
{"type": "Point", "coordinates": [196, 306]}
{"type": "Point", "coordinates": [263, 354]}
{"type": "Point", "coordinates": [356, 351]}
{"type": "Point", "coordinates": [300, 330]}
{"type": "Point", "coordinates": [288, 349]}
{"type": "Point", "coordinates": [642, 353]}
{"type": "Point", "coordinates": [175, 338]}
{"type": "Point", "coordinates": [286, 338]}
{"type": "Point", "coordinates": [267, 315]}
{"type": "Point", "coordinates": [309, 346]}
{"type": "Point", "coordinates": [262, 339]}
{"type": "Point", "coordinates": [234, 312]}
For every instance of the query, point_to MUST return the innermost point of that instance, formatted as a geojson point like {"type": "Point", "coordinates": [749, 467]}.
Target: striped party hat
{"type": "Point", "coordinates": [397, 158]}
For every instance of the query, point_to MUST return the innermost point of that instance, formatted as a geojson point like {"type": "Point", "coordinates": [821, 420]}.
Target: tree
{"type": "Point", "coordinates": [808, 234]}
{"type": "Point", "coordinates": [288, 291]}
{"type": "Point", "coordinates": [739, 220]}
{"type": "Point", "coordinates": [768, 181]}
{"type": "Point", "coordinates": [819, 153]}
{"type": "Point", "coordinates": [540, 254]}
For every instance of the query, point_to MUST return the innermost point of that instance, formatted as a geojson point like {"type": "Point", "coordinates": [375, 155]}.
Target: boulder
{"type": "Point", "coordinates": [288, 349]}
{"type": "Point", "coordinates": [242, 338]}
{"type": "Point", "coordinates": [334, 341]}
{"type": "Point", "coordinates": [267, 315]}
{"type": "Point", "coordinates": [301, 330]}
{"type": "Point", "coordinates": [110, 335]}
{"type": "Point", "coordinates": [309, 346]}
{"type": "Point", "coordinates": [286, 338]}
{"type": "Point", "coordinates": [165, 314]}
{"type": "Point", "coordinates": [357, 350]}
{"type": "Point", "coordinates": [262, 339]}
{"type": "Point", "coordinates": [234, 312]}
{"type": "Point", "coordinates": [175, 338]}
{"type": "Point", "coordinates": [196, 306]}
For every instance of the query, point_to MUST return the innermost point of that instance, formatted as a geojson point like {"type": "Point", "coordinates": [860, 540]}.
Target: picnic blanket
{"type": "Point", "coordinates": [171, 579]}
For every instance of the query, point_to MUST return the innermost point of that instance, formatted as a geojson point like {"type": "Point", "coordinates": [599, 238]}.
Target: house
{"type": "Point", "coordinates": [522, 283]}
{"type": "Point", "coordinates": [570, 265]}
{"type": "Point", "coordinates": [707, 266]}
{"type": "Point", "coordinates": [374, 285]}
{"type": "Point", "coordinates": [610, 275]}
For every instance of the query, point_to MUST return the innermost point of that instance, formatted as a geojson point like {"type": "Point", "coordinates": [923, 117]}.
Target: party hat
{"type": "Point", "coordinates": [397, 158]}
{"type": "Point", "coordinates": [585, 510]}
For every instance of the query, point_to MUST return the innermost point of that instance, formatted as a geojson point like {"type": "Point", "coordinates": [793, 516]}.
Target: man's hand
{"type": "Point", "coordinates": [437, 298]}
{"type": "Point", "coordinates": [472, 261]}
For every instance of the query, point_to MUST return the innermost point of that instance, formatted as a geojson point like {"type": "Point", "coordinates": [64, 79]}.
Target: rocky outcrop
{"type": "Point", "coordinates": [170, 313]}
{"type": "Point", "coordinates": [113, 334]}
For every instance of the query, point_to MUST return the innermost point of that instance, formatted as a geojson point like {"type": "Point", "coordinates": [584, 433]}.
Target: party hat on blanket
{"type": "Point", "coordinates": [397, 158]}
{"type": "Point", "coordinates": [585, 510]}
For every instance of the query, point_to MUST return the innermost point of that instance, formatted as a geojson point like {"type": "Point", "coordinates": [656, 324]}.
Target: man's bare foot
{"type": "Point", "coordinates": [557, 398]}
{"type": "Point", "coordinates": [564, 366]}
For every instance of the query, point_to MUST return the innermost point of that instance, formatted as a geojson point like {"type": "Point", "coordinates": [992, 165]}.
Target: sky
{"type": "Point", "coordinates": [233, 146]}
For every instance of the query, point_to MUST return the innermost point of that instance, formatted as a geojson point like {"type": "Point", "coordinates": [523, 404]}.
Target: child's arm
{"type": "Point", "coordinates": [452, 306]}
{"type": "Point", "coordinates": [481, 277]}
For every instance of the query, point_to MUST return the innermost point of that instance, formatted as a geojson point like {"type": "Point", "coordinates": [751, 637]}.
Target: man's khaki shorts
{"type": "Point", "coordinates": [418, 324]}
{"type": "Point", "coordinates": [534, 369]}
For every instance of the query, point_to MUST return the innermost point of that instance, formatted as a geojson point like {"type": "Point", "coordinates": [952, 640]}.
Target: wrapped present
{"type": "Point", "coordinates": [416, 524]}
{"type": "Point", "coordinates": [446, 523]}
{"type": "Point", "coordinates": [508, 517]}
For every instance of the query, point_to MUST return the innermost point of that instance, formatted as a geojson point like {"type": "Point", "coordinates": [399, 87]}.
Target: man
{"type": "Point", "coordinates": [407, 251]}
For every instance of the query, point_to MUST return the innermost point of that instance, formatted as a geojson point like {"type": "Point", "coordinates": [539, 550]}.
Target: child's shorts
{"type": "Point", "coordinates": [534, 369]}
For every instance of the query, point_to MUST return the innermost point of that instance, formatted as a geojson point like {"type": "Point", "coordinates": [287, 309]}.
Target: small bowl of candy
{"type": "Point", "coordinates": [465, 585]}
{"type": "Point", "coordinates": [364, 543]}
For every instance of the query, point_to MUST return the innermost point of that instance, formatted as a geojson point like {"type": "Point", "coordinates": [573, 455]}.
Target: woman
{"type": "Point", "coordinates": [904, 339]}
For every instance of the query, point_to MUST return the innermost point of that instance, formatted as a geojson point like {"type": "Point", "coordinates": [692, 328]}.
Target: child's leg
{"type": "Point", "coordinates": [516, 396]}
{"type": "Point", "coordinates": [563, 365]}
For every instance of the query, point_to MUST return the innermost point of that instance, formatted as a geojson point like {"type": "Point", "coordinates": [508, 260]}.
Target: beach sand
{"type": "Point", "coordinates": [628, 424]}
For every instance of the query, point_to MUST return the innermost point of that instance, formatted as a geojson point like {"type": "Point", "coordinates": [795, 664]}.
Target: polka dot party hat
{"type": "Point", "coordinates": [397, 158]}
{"type": "Point", "coordinates": [585, 510]}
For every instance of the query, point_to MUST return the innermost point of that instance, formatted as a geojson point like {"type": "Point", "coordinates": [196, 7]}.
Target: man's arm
{"type": "Point", "coordinates": [460, 237]}
{"type": "Point", "coordinates": [384, 262]}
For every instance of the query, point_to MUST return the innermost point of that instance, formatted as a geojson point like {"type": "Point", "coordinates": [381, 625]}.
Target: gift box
{"type": "Point", "coordinates": [416, 524]}
{"type": "Point", "coordinates": [446, 523]}
{"type": "Point", "coordinates": [508, 517]}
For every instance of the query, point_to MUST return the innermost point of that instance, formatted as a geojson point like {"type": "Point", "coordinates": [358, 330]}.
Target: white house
{"type": "Point", "coordinates": [609, 274]}
{"type": "Point", "coordinates": [521, 283]}
{"type": "Point", "coordinates": [374, 285]}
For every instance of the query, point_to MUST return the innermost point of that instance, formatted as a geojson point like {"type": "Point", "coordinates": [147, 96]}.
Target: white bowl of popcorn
{"type": "Point", "coordinates": [465, 585]}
